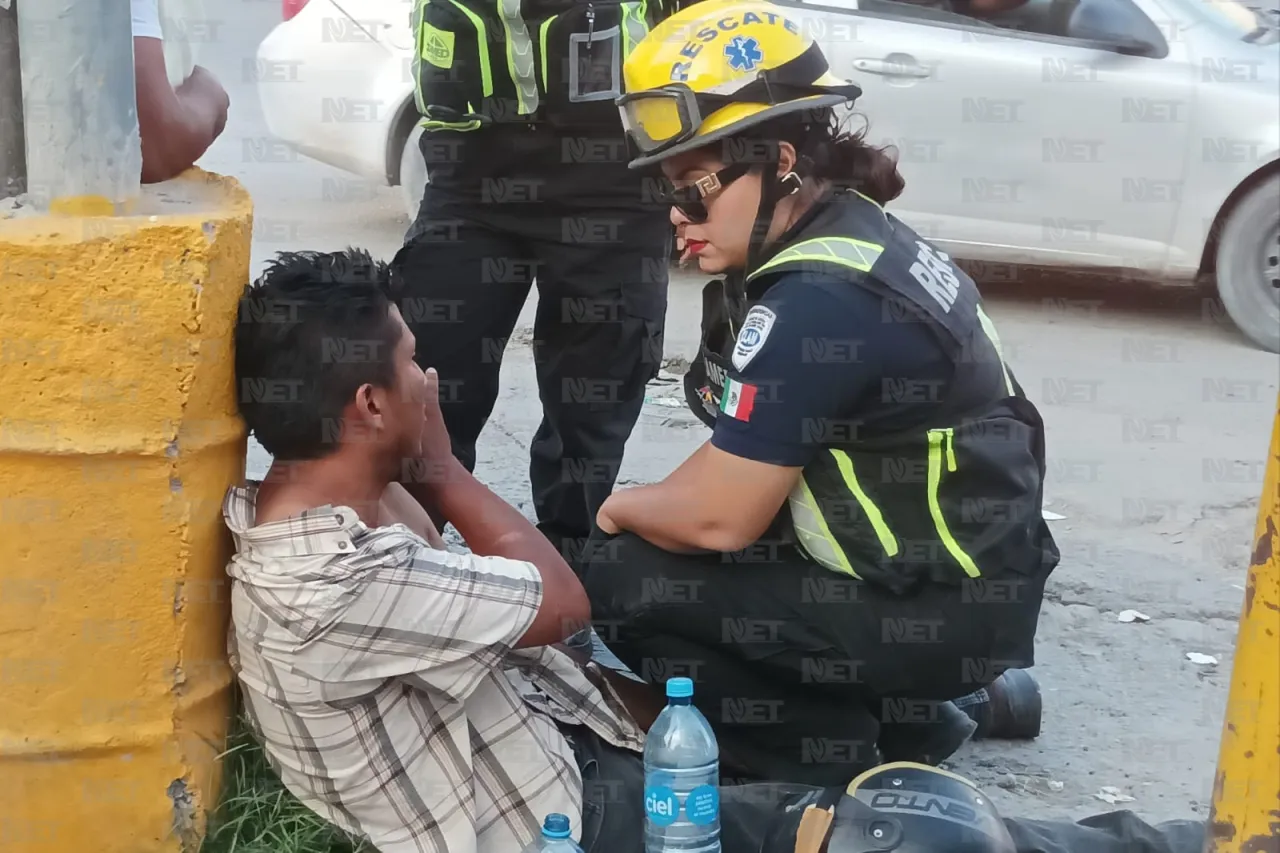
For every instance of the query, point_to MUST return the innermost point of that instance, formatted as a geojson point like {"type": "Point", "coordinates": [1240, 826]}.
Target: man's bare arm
{"type": "Point", "coordinates": [492, 527]}
{"type": "Point", "coordinates": [176, 125]}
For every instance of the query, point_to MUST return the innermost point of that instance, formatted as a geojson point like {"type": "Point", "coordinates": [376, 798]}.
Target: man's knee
{"type": "Point", "coordinates": [620, 576]}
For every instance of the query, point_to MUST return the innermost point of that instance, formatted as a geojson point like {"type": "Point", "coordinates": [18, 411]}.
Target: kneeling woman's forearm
{"type": "Point", "coordinates": [670, 517]}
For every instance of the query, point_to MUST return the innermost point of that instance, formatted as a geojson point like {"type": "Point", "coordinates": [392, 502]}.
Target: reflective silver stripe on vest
{"type": "Point", "coordinates": [990, 329]}
{"type": "Point", "coordinates": [840, 251]}
{"type": "Point", "coordinates": [812, 533]}
{"type": "Point", "coordinates": [520, 56]}
{"type": "Point", "coordinates": [634, 28]}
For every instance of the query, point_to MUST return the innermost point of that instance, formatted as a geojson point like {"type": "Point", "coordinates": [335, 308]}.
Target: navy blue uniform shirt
{"type": "Point", "coordinates": [816, 354]}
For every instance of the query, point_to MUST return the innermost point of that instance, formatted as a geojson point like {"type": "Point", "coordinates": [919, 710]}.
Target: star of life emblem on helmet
{"type": "Point", "coordinates": [743, 53]}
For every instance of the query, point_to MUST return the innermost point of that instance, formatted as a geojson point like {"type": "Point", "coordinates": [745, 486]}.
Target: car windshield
{"type": "Point", "coordinates": [1242, 18]}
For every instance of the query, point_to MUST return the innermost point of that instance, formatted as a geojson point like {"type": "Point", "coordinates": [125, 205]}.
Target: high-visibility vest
{"type": "Point", "coordinates": [955, 498]}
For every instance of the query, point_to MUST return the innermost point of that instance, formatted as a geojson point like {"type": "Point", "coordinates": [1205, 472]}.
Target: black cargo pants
{"type": "Point", "coordinates": [799, 670]}
{"type": "Point", "coordinates": [602, 276]}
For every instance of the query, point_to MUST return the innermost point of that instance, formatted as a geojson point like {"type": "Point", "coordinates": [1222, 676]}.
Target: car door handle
{"type": "Point", "coordinates": [891, 68]}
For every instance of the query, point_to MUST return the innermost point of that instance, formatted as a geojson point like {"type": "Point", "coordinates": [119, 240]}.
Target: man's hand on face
{"type": "Point", "coordinates": [437, 447]}
{"type": "Point", "coordinates": [433, 468]}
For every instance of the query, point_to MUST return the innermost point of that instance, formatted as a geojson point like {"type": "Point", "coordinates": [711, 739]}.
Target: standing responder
{"type": "Point", "coordinates": [528, 181]}
{"type": "Point", "coordinates": [860, 541]}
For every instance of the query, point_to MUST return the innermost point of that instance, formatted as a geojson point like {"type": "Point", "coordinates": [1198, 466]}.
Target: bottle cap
{"type": "Point", "coordinates": [555, 826]}
{"type": "Point", "coordinates": [679, 688]}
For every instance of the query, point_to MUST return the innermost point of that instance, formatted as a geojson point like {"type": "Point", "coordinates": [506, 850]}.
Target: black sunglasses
{"type": "Point", "coordinates": [690, 200]}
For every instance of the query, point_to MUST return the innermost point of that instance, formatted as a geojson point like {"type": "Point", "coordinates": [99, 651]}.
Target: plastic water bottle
{"type": "Point", "coordinates": [555, 837]}
{"type": "Point", "coordinates": [681, 778]}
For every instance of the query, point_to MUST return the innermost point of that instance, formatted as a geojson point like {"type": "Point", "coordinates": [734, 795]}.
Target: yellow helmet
{"type": "Point", "coordinates": [717, 68]}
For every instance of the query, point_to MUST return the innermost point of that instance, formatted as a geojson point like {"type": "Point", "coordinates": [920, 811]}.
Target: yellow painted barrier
{"type": "Point", "coordinates": [118, 438]}
{"type": "Point", "coordinates": [1246, 787]}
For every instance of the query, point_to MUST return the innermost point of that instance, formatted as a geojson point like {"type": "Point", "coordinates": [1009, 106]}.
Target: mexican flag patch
{"type": "Point", "coordinates": [738, 399]}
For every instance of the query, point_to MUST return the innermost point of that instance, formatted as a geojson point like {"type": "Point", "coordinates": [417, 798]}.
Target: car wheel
{"type": "Point", "coordinates": [1248, 267]}
{"type": "Point", "coordinates": [413, 174]}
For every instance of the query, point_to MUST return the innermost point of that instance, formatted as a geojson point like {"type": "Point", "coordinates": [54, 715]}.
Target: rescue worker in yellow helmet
{"type": "Point", "coordinates": [860, 542]}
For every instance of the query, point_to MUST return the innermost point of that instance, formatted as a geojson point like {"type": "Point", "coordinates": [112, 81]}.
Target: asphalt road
{"type": "Point", "coordinates": [1158, 417]}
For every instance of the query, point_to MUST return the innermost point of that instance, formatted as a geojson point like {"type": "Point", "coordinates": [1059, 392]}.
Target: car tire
{"type": "Point", "coordinates": [413, 173]}
{"type": "Point", "coordinates": [1248, 264]}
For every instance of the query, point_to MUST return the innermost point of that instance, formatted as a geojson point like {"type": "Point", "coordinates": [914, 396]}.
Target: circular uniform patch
{"type": "Point", "coordinates": [755, 331]}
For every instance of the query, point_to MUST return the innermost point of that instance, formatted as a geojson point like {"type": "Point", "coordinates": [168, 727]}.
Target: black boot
{"type": "Point", "coordinates": [1007, 709]}
{"type": "Point", "coordinates": [929, 742]}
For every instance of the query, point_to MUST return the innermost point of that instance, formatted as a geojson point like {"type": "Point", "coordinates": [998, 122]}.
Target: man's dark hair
{"type": "Point", "coordinates": [313, 329]}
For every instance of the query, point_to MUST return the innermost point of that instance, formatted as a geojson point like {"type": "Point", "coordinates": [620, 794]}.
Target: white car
{"type": "Point", "coordinates": [1138, 136]}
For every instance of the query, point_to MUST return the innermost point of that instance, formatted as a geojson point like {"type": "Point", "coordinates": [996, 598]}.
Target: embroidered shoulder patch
{"type": "Point", "coordinates": [738, 400]}
{"type": "Point", "coordinates": [755, 331]}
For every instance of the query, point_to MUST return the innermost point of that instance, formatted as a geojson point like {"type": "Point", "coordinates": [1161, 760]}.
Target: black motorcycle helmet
{"type": "Point", "coordinates": [910, 808]}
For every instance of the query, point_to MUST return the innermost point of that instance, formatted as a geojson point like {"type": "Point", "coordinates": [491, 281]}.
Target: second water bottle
{"type": "Point", "coordinates": [555, 838]}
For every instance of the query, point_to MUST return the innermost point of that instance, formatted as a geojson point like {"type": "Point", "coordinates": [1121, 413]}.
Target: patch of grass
{"type": "Point", "coordinates": [258, 815]}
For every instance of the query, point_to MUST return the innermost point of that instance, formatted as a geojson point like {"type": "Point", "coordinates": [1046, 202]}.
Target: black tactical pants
{"type": "Point", "coordinates": [597, 339]}
{"type": "Point", "coordinates": [799, 670]}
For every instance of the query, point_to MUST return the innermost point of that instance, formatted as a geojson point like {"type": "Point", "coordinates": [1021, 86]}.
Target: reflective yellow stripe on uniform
{"type": "Point", "coordinates": [542, 46]}
{"type": "Point", "coordinates": [938, 440]}
{"type": "Point", "coordinates": [519, 56]}
{"type": "Point", "coordinates": [812, 533]}
{"type": "Point", "coordinates": [841, 251]}
{"type": "Point", "coordinates": [887, 540]}
{"type": "Point", "coordinates": [419, 11]}
{"type": "Point", "coordinates": [482, 45]}
{"type": "Point", "coordinates": [431, 124]}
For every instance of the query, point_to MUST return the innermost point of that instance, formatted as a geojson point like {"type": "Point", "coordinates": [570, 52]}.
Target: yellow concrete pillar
{"type": "Point", "coordinates": [1246, 788]}
{"type": "Point", "coordinates": [118, 438]}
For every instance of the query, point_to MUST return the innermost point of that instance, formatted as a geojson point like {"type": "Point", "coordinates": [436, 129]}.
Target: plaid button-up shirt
{"type": "Point", "coordinates": [381, 678]}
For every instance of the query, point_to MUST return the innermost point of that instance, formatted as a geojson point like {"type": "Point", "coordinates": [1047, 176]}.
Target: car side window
{"type": "Point", "coordinates": [924, 11]}
{"type": "Point", "coordinates": [941, 11]}
{"type": "Point", "coordinates": [1116, 25]}
{"type": "Point", "coordinates": [1041, 17]}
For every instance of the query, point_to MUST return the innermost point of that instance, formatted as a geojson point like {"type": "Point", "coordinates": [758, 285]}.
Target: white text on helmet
{"type": "Point", "coordinates": [706, 35]}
